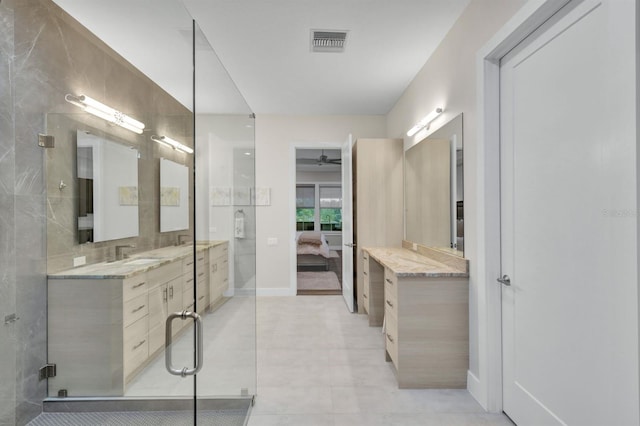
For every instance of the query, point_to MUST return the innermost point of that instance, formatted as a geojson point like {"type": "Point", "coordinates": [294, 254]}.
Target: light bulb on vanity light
{"type": "Point", "coordinates": [425, 121]}
{"type": "Point", "coordinates": [165, 140]}
{"type": "Point", "coordinates": [105, 112]}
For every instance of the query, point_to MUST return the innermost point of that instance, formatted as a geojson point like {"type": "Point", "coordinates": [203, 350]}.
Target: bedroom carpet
{"type": "Point", "coordinates": [324, 280]}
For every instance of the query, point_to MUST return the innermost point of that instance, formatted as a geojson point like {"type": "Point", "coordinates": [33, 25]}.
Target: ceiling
{"type": "Point", "coordinates": [264, 46]}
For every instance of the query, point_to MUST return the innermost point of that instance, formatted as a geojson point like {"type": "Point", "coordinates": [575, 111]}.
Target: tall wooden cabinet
{"type": "Point", "coordinates": [377, 200]}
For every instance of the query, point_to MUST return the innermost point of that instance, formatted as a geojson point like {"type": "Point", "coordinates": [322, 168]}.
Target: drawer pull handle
{"type": "Point", "coordinates": [139, 344]}
{"type": "Point", "coordinates": [389, 281]}
{"type": "Point", "coordinates": [365, 295]}
{"type": "Point", "coordinates": [225, 261]}
{"type": "Point", "coordinates": [139, 308]}
{"type": "Point", "coordinates": [365, 272]}
{"type": "Point", "coordinates": [164, 295]}
{"type": "Point", "coordinates": [190, 263]}
{"type": "Point", "coordinates": [390, 304]}
{"type": "Point", "coordinates": [171, 292]}
{"type": "Point", "coordinates": [201, 274]}
{"type": "Point", "coordinates": [201, 297]}
{"type": "Point", "coordinates": [139, 285]}
{"type": "Point", "coordinates": [190, 280]}
{"type": "Point", "coordinates": [389, 337]}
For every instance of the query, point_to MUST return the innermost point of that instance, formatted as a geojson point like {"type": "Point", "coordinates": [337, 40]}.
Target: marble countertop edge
{"type": "Point", "coordinates": [407, 263]}
{"type": "Point", "coordinates": [122, 269]}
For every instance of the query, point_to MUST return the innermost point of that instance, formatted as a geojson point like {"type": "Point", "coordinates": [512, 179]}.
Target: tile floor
{"type": "Point", "coordinates": [319, 365]}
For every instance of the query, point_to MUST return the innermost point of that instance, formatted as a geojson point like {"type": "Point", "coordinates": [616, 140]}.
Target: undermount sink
{"type": "Point", "coordinates": [142, 261]}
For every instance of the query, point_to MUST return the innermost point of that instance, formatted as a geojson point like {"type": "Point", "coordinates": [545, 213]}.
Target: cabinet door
{"type": "Point", "coordinates": [174, 301]}
{"type": "Point", "coordinates": [157, 316]}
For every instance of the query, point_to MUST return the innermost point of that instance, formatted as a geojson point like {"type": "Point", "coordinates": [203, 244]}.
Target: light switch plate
{"type": "Point", "coordinates": [79, 261]}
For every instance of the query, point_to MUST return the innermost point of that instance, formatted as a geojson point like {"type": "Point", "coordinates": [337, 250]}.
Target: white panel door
{"type": "Point", "coordinates": [347, 225]}
{"type": "Point", "coordinates": [569, 222]}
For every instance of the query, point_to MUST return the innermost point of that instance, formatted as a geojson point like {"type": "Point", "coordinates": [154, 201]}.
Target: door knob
{"type": "Point", "coordinates": [505, 280]}
{"type": "Point", "coordinates": [350, 244]}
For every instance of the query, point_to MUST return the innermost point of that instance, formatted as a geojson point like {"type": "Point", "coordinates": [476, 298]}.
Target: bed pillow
{"type": "Point", "coordinates": [311, 238]}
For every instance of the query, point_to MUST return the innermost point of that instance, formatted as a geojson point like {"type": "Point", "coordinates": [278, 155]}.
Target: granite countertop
{"type": "Point", "coordinates": [407, 263]}
{"type": "Point", "coordinates": [136, 264]}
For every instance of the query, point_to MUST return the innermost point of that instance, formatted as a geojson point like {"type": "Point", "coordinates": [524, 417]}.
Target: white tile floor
{"type": "Point", "coordinates": [319, 365]}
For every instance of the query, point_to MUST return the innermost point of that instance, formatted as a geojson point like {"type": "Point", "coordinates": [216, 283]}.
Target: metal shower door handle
{"type": "Point", "coordinates": [167, 348]}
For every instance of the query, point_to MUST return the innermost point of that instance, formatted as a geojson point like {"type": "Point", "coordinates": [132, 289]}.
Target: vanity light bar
{"type": "Point", "coordinates": [425, 122]}
{"type": "Point", "coordinates": [105, 112]}
{"type": "Point", "coordinates": [165, 140]}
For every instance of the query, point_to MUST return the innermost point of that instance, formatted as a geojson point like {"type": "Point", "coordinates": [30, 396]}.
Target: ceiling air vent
{"type": "Point", "coordinates": [328, 41]}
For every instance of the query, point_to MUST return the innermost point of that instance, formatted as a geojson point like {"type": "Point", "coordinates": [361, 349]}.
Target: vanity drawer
{"type": "Point", "coordinates": [187, 282]}
{"type": "Point", "coordinates": [136, 345]}
{"type": "Point", "coordinates": [135, 309]}
{"type": "Point", "coordinates": [134, 287]}
{"type": "Point", "coordinates": [391, 338]}
{"type": "Point", "coordinates": [203, 296]}
{"type": "Point", "coordinates": [390, 284]}
{"type": "Point", "coordinates": [187, 264]}
{"type": "Point", "coordinates": [202, 258]}
{"type": "Point", "coordinates": [390, 307]}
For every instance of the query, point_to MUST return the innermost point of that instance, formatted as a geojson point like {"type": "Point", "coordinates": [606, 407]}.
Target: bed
{"type": "Point", "coordinates": [312, 250]}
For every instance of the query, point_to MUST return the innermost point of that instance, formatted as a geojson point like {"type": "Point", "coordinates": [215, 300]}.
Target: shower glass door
{"type": "Point", "coordinates": [226, 200]}
{"type": "Point", "coordinates": [150, 245]}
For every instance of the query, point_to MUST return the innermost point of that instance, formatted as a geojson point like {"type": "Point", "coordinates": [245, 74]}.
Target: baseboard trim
{"type": "Point", "coordinates": [474, 386]}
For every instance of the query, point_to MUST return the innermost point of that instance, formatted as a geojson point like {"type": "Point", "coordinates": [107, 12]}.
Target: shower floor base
{"type": "Point", "coordinates": [143, 418]}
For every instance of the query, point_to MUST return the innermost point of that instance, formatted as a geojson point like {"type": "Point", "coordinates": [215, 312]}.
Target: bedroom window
{"type": "Point", "coordinates": [330, 208]}
{"type": "Point", "coordinates": [318, 207]}
{"type": "Point", "coordinates": [305, 207]}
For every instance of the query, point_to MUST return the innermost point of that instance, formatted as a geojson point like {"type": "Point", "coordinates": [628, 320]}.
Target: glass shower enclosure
{"type": "Point", "coordinates": [134, 233]}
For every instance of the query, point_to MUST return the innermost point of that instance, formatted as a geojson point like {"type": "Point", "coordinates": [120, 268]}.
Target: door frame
{"type": "Point", "coordinates": [487, 388]}
{"type": "Point", "coordinates": [293, 259]}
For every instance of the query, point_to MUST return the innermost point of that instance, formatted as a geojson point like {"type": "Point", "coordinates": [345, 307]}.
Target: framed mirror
{"type": "Point", "coordinates": [174, 196]}
{"type": "Point", "coordinates": [434, 193]}
{"type": "Point", "coordinates": [107, 177]}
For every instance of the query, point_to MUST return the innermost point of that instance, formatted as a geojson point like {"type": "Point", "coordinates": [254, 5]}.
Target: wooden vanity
{"type": "Point", "coordinates": [422, 299]}
{"type": "Point", "coordinates": [107, 320]}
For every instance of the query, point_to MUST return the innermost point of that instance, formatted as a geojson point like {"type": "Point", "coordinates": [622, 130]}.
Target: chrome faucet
{"type": "Point", "coordinates": [181, 237]}
{"type": "Point", "coordinates": [119, 254]}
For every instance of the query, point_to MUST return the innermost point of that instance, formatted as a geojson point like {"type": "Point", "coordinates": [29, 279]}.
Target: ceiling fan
{"type": "Point", "coordinates": [321, 160]}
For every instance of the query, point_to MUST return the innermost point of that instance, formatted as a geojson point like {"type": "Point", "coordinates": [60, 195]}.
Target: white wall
{"type": "Point", "coordinates": [275, 136]}
{"type": "Point", "coordinates": [448, 79]}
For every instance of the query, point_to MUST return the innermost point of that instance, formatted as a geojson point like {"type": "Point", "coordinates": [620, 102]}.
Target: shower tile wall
{"type": "Point", "coordinates": [45, 54]}
{"type": "Point", "coordinates": [7, 226]}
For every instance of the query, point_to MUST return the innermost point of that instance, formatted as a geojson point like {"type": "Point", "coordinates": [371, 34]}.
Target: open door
{"type": "Point", "coordinates": [347, 225]}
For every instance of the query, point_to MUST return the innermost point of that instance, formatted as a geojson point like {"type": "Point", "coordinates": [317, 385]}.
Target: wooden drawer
{"type": "Point", "coordinates": [187, 283]}
{"type": "Point", "coordinates": [391, 338]}
{"type": "Point", "coordinates": [202, 275]}
{"type": "Point", "coordinates": [187, 300]}
{"type": "Point", "coordinates": [134, 287]}
{"type": "Point", "coordinates": [202, 258]}
{"type": "Point", "coordinates": [390, 307]}
{"type": "Point", "coordinates": [188, 264]}
{"type": "Point", "coordinates": [135, 309]}
{"type": "Point", "coordinates": [136, 345]}
{"type": "Point", "coordinates": [390, 284]}
{"type": "Point", "coordinates": [203, 296]}
{"type": "Point", "coordinates": [164, 274]}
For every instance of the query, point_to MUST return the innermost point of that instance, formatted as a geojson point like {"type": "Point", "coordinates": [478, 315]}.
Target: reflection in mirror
{"type": "Point", "coordinates": [108, 189]}
{"type": "Point", "coordinates": [174, 196]}
{"type": "Point", "coordinates": [434, 197]}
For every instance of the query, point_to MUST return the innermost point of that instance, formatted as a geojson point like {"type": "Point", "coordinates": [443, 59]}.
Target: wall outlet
{"type": "Point", "coordinates": [415, 246]}
{"type": "Point", "coordinates": [272, 241]}
{"type": "Point", "coordinates": [79, 261]}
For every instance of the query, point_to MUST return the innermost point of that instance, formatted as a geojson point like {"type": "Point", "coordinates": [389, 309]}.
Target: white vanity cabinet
{"type": "Point", "coordinates": [219, 272]}
{"type": "Point", "coordinates": [165, 296]}
{"type": "Point", "coordinates": [426, 315]}
{"type": "Point", "coordinates": [98, 333]}
{"type": "Point", "coordinates": [202, 281]}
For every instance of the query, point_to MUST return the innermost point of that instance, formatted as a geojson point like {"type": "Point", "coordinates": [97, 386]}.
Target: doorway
{"type": "Point", "coordinates": [318, 221]}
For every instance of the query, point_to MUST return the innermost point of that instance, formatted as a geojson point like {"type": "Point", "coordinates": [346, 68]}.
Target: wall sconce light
{"type": "Point", "coordinates": [171, 143]}
{"type": "Point", "coordinates": [425, 122]}
{"type": "Point", "coordinates": [105, 112]}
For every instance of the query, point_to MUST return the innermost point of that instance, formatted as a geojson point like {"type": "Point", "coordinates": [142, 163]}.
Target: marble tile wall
{"type": "Point", "coordinates": [45, 54]}
{"type": "Point", "coordinates": [7, 225]}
